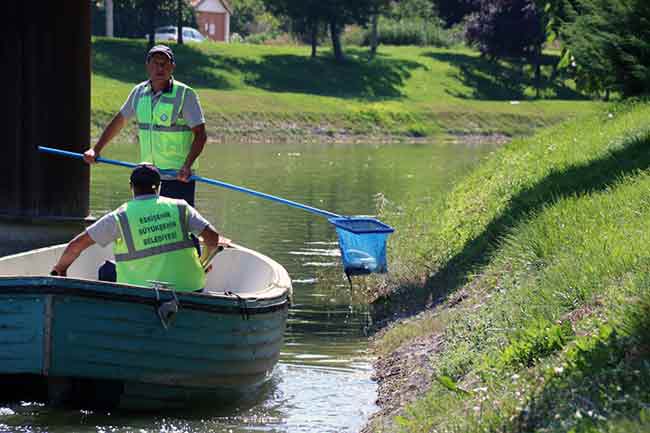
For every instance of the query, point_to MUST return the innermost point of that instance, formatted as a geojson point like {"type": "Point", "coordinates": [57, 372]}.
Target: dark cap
{"type": "Point", "coordinates": [145, 175]}
{"type": "Point", "coordinates": [162, 49]}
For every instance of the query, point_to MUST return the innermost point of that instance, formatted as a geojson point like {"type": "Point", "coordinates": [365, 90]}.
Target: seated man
{"type": "Point", "coordinates": [151, 236]}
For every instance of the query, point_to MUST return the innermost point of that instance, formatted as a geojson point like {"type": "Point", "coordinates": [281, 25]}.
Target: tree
{"type": "Point", "coordinates": [151, 6]}
{"type": "Point", "coordinates": [333, 13]}
{"type": "Point", "coordinates": [309, 29]}
{"type": "Point", "coordinates": [509, 28]}
{"type": "Point", "coordinates": [608, 45]}
{"type": "Point", "coordinates": [339, 13]}
{"type": "Point", "coordinates": [306, 18]}
{"type": "Point", "coordinates": [405, 9]}
{"type": "Point", "coordinates": [506, 28]}
{"type": "Point", "coordinates": [133, 19]}
{"type": "Point", "coordinates": [378, 7]}
{"type": "Point", "coordinates": [179, 23]}
{"type": "Point", "coordinates": [245, 13]}
{"type": "Point", "coordinates": [453, 11]}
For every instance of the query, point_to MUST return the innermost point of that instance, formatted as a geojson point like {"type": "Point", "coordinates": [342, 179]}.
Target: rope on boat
{"type": "Point", "coordinates": [242, 304]}
{"type": "Point", "coordinates": [166, 311]}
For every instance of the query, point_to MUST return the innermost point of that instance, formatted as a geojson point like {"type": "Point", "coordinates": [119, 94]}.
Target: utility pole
{"type": "Point", "coordinates": [108, 4]}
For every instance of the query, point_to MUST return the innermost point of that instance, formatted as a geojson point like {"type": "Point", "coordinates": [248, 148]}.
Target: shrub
{"type": "Point", "coordinates": [262, 38]}
{"type": "Point", "coordinates": [537, 341]}
{"type": "Point", "coordinates": [354, 35]}
{"type": "Point", "coordinates": [609, 43]}
{"type": "Point", "coordinates": [493, 27]}
{"type": "Point", "coordinates": [413, 31]}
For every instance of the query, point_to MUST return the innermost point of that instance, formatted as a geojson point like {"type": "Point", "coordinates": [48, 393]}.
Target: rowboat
{"type": "Point", "coordinates": [79, 340]}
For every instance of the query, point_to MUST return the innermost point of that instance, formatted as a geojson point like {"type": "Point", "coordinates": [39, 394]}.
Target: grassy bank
{"type": "Point", "coordinates": [540, 258]}
{"type": "Point", "coordinates": [253, 91]}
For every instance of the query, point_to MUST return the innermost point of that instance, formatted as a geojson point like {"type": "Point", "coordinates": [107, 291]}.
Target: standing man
{"type": "Point", "coordinates": [170, 123]}
{"type": "Point", "coordinates": [151, 237]}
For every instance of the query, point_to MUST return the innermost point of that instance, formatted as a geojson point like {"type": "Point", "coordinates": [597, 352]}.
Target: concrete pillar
{"type": "Point", "coordinates": [46, 69]}
{"type": "Point", "coordinates": [109, 18]}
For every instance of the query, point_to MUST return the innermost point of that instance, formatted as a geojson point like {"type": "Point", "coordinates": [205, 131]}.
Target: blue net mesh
{"type": "Point", "coordinates": [363, 244]}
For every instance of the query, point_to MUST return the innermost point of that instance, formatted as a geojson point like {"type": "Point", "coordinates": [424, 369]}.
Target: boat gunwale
{"type": "Point", "coordinates": [39, 285]}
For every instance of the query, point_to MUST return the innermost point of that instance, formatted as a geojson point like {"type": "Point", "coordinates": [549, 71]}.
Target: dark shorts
{"type": "Point", "coordinates": [178, 189]}
{"type": "Point", "coordinates": [181, 190]}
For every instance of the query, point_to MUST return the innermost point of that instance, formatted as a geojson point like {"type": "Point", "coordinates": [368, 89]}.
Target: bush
{"type": "Point", "coordinates": [536, 342]}
{"type": "Point", "coordinates": [492, 29]}
{"type": "Point", "coordinates": [262, 38]}
{"type": "Point", "coordinates": [354, 35]}
{"type": "Point", "coordinates": [414, 31]}
{"type": "Point", "coordinates": [609, 43]}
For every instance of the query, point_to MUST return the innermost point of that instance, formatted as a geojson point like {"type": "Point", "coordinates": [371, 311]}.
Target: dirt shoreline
{"type": "Point", "coordinates": [347, 137]}
{"type": "Point", "coordinates": [264, 131]}
{"type": "Point", "coordinates": [403, 376]}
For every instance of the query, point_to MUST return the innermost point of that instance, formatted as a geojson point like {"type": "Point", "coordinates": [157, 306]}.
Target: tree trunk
{"type": "Point", "coordinates": [109, 18]}
{"type": "Point", "coordinates": [151, 21]}
{"type": "Point", "coordinates": [538, 79]}
{"type": "Point", "coordinates": [538, 72]}
{"type": "Point", "coordinates": [335, 33]}
{"type": "Point", "coordinates": [179, 12]}
{"type": "Point", "coordinates": [374, 35]}
{"type": "Point", "coordinates": [314, 38]}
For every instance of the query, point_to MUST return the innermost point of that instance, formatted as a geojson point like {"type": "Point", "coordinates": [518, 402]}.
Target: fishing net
{"type": "Point", "coordinates": [363, 244]}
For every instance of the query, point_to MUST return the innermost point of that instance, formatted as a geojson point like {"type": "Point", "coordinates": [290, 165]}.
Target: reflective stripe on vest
{"type": "Point", "coordinates": [174, 128]}
{"type": "Point", "coordinates": [165, 138]}
{"type": "Point", "coordinates": [155, 244]}
{"type": "Point", "coordinates": [134, 254]}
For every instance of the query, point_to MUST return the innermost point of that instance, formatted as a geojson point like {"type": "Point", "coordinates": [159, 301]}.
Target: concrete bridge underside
{"type": "Point", "coordinates": [46, 67]}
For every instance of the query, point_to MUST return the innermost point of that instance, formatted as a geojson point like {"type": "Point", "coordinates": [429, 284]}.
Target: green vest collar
{"type": "Point", "coordinates": [167, 89]}
{"type": "Point", "coordinates": [145, 197]}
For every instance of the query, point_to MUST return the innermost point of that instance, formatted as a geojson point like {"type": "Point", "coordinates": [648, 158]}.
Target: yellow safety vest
{"type": "Point", "coordinates": [155, 244]}
{"type": "Point", "coordinates": [165, 137]}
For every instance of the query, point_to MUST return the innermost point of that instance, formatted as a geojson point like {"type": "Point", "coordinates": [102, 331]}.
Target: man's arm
{"type": "Point", "coordinates": [200, 137]}
{"type": "Point", "coordinates": [74, 248]}
{"type": "Point", "coordinates": [112, 129]}
{"type": "Point", "coordinates": [210, 238]}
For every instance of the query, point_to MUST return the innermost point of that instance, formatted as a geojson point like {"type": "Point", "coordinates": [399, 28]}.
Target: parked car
{"type": "Point", "coordinates": [169, 33]}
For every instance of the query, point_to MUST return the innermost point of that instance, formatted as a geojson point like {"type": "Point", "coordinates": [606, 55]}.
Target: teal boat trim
{"type": "Point", "coordinates": [147, 296]}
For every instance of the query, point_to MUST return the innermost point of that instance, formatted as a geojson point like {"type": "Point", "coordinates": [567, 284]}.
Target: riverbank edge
{"type": "Point", "coordinates": [405, 374]}
{"type": "Point", "coordinates": [473, 128]}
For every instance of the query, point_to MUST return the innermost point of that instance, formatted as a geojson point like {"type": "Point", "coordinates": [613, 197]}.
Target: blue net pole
{"type": "Point", "coordinates": [304, 207]}
{"type": "Point", "coordinates": [362, 240]}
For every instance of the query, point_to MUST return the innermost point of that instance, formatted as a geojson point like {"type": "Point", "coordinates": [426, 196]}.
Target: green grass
{"type": "Point", "coordinates": [407, 91]}
{"type": "Point", "coordinates": [546, 245]}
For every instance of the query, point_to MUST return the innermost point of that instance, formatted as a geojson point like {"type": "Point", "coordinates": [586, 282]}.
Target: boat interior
{"type": "Point", "coordinates": [235, 269]}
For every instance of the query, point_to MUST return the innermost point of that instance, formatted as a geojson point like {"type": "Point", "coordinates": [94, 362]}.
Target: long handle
{"type": "Point", "coordinates": [204, 180]}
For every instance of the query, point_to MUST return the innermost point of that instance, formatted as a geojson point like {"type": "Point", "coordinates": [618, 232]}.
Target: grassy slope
{"type": "Point", "coordinates": [406, 90]}
{"type": "Point", "coordinates": [547, 247]}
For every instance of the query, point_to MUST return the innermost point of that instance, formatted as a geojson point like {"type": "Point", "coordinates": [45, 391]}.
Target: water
{"type": "Point", "coordinates": [323, 380]}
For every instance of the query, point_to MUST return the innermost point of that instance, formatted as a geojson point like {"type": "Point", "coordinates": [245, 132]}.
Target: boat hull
{"type": "Point", "coordinates": [104, 339]}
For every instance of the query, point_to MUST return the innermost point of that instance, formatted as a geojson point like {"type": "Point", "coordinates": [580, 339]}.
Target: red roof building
{"type": "Point", "coordinates": [213, 18]}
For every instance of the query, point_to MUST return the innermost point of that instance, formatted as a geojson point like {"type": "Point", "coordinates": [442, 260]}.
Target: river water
{"type": "Point", "coordinates": [323, 380]}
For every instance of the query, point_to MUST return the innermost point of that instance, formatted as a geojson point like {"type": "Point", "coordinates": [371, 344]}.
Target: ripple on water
{"type": "Point", "coordinates": [320, 264]}
{"type": "Point", "coordinates": [305, 281]}
{"type": "Point", "coordinates": [334, 399]}
{"type": "Point", "coordinates": [320, 252]}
